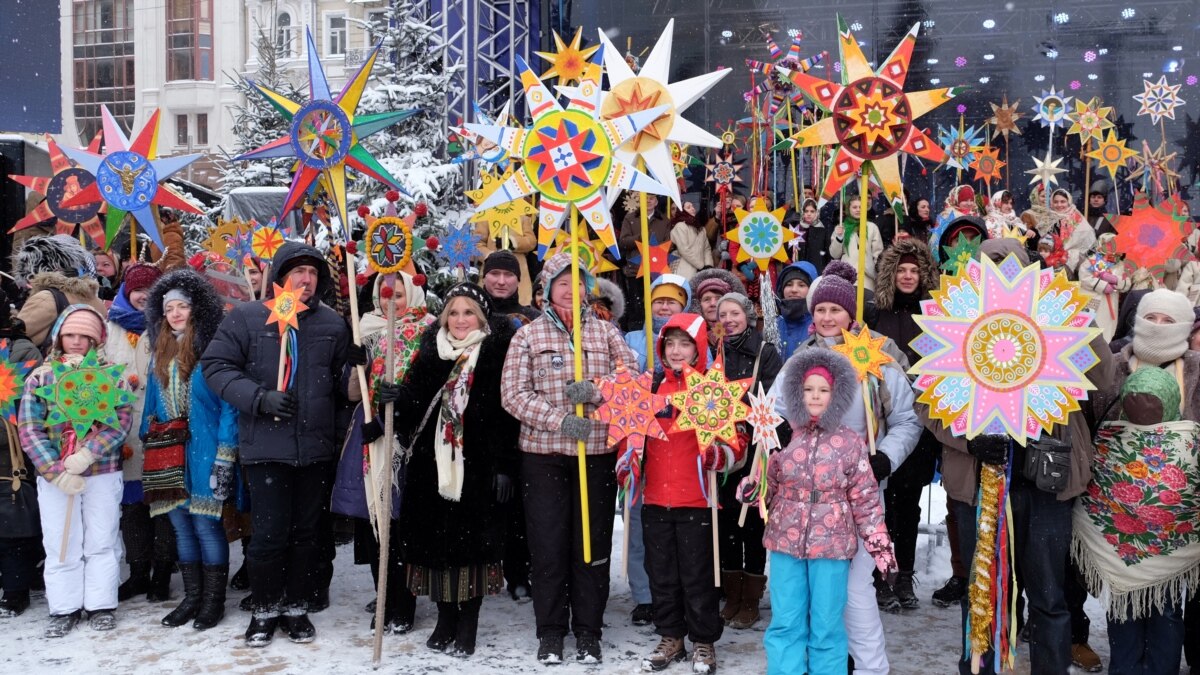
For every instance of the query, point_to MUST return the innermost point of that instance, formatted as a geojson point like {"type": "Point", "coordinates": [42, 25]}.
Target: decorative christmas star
{"type": "Point", "coordinates": [285, 307]}
{"type": "Point", "coordinates": [660, 257]}
{"type": "Point", "coordinates": [570, 63]}
{"type": "Point", "coordinates": [389, 244]}
{"type": "Point", "coordinates": [1159, 99]}
{"type": "Point", "coordinates": [1154, 165]}
{"type": "Point", "coordinates": [1004, 350]}
{"type": "Point", "coordinates": [326, 133]}
{"type": "Point", "coordinates": [12, 381]}
{"type": "Point", "coordinates": [724, 171]}
{"type": "Point", "coordinates": [958, 255]}
{"type": "Point", "coordinates": [763, 420]}
{"type": "Point", "coordinates": [482, 148]}
{"type": "Point", "coordinates": [127, 178]}
{"type": "Point", "coordinates": [1151, 236]}
{"type": "Point", "coordinates": [1051, 108]}
{"type": "Point", "coordinates": [569, 158]}
{"type": "Point", "coordinates": [224, 233]}
{"type": "Point", "coordinates": [960, 144]}
{"type": "Point", "coordinates": [865, 352]}
{"type": "Point", "coordinates": [1112, 153]}
{"type": "Point", "coordinates": [241, 247]}
{"type": "Point", "coordinates": [760, 234]}
{"type": "Point", "coordinates": [799, 235]}
{"type": "Point", "coordinates": [649, 88]}
{"type": "Point", "coordinates": [872, 117]}
{"type": "Point", "coordinates": [266, 240]}
{"type": "Point", "coordinates": [782, 91]}
{"type": "Point", "coordinates": [591, 253]}
{"type": "Point", "coordinates": [1047, 171]}
{"type": "Point", "coordinates": [1004, 118]}
{"type": "Point", "coordinates": [85, 394]}
{"type": "Point", "coordinates": [505, 221]}
{"type": "Point", "coordinates": [987, 164]}
{"type": "Point", "coordinates": [1090, 119]}
{"type": "Point", "coordinates": [66, 181]}
{"type": "Point", "coordinates": [460, 245]}
{"type": "Point", "coordinates": [710, 405]}
{"type": "Point", "coordinates": [629, 408]}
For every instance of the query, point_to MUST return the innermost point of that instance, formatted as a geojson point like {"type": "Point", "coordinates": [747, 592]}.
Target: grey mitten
{"type": "Point", "coordinates": [576, 427]}
{"type": "Point", "coordinates": [582, 391]}
{"type": "Point", "coordinates": [221, 480]}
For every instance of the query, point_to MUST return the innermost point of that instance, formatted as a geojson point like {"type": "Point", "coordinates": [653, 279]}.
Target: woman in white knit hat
{"type": "Point", "coordinates": [1161, 330]}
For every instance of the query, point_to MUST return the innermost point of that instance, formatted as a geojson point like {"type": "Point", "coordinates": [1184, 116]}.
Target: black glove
{"type": "Point", "coordinates": [281, 404]}
{"type": "Point", "coordinates": [389, 393]}
{"type": "Point", "coordinates": [575, 427]}
{"type": "Point", "coordinates": [989, 448]}
{"type": "Point", "coordinates": [504, 488]}
{"type": "Point", "coordinates": [221, 480]}
{"type": "Point", "coordinates": [371, 431]}
{"type": "Point", "coordinates": [356, 355]}
{"type": "Point", "coordinates": [881, 466]}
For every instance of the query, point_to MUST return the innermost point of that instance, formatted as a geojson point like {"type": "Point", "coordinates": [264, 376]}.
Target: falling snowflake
{"type": "Point", "coordinates": [1075, 84]}
{"type": "Point", "coordinates": [960, 61]}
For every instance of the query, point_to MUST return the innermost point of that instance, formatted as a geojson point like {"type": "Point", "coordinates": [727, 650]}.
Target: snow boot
{"type": "Point", "coordinates": [137, 583]}
{"type": "Point", "coordinates": [101, 619]}
{"type": "Point", "coordinates": [950, 594]}
{"type": "Point", "coordinates": [159, 589]}
{"type": "Point", "coordinates": [241, 579]}
{"type": "Point", "coordinates": [550, 650]}
{"type": "Point", "coordinates": [885, 597]}
{"type": "Point", "coordinates": [193, 588]}
{"type": "Point", "coordinates": [587, 649]}
{"type": "Point", "coordinates": [212, 597]}
{"type": "Point", "coordinates": [731, 584]}
{"type": "Point", "coordinates": [299, 629]}
{"type": "Point", "coordinates": [704, 657]}
{"type": "Point", "coordinates": [467, 628]}
{"type": "Point", "coordinates": [61, 624]}
{"type": "Point", "coordinates": [752, 592]}
{"type": "Point", "coordinates": [669, 650]}
{"type": "Point", "coordinates": [446, 628]}
{"type": "Point", "coordinates": [642, 615]}
{"type": "Point", "coordinates": [1085, 658]}
{"type": "Point", "coordinates": [14, 604]}
{"type": "Point", "coordinates": [904, 590]}
{"type": "Point", "coordinates": [263, 624]}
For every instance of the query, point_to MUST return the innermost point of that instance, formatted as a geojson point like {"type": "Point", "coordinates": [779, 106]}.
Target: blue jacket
{"type": "Point", "coordinates": [792, 334]}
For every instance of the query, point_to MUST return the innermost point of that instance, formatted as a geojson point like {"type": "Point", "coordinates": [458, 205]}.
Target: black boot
{"type": "Point", "coordinates": [137, 583]}
{"type": "Point", "coordinates": [160, 583]}
{"type": "Point", "coordinates": [193, 588]}
{"type": "Point", "coordinates": [468, 626]}
{"type": "Point", "coordinates": [298, 626]}
{"type": "Point", "coordinates": [446, 628]}
{"type": "Point", "coordinates": [263, 625]}
{"type": "Point", "coordinates": [212, 605]}
{"type": "Point", "coordinates": [14, 604]}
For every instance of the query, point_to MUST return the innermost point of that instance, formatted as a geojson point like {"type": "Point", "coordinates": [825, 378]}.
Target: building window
{"type": "Point", "coordinates": [181, 130]}
{"type": "Point", "coordinates": [202, 129]}
{"type": "Point", "coordinates": [189, 40]}
{"type": "Point", "coordinates": [285, 36]}
{"type": "Point", "coordinates": [102, 55]}
{"type": "Point", "coordinates": [335, 34]}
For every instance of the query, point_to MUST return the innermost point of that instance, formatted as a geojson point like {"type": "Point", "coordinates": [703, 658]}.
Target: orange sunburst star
{"type": "Point", "coordinates": [570, 63]}
{"type": "Point", "coordinates": [66, 181]}
{"type": "Point", "coordinates": [285, 307]}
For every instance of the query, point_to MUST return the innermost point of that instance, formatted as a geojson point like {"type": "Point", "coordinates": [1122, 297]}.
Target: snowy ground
{"type": "Point", "coordinates": [924, 641]}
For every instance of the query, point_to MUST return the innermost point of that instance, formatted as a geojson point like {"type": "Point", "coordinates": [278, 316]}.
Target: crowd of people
{"type": "Point", "coordinates": [486, 403]}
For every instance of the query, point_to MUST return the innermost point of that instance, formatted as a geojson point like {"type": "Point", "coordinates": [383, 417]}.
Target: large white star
{"type": "Point", "coordinates": [1047, 171]}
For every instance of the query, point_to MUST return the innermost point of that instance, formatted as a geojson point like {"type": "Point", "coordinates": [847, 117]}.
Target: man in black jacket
{"type": "Point", "coordinates": [288, 439]}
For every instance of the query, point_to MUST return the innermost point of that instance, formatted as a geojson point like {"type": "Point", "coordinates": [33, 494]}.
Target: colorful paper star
{"type": "Point", "coordinates": [460, 245]}
{"type": "Point", "coordinates": [1151, 236]}
{"type": "Point", "coordinates": [763, 420]}
{"type": "Point", "coordinates": [865, 352]}
{"type": "Point", "coordinates": [590, 251]}
{"type": "Point", "coordinates": [782, 91]}
{"type": "Point", "coordinates": [872, 118]}
{"type": "Point", "coordinates": [629, 407]}
{"type": "Point", "coordinates": [266, 240]}
{"type": "Point", "coordinates": [958, 255]}
{"type": "Point", "coordinates": [505, 221]}
{"type": "Point", "coordinates": [66, 181]}
{"type": "Point", "coordinates": [569, 158]}
{"type": "Point", "coordinates": [1090, 119]}
{"type": "Point", "coordinates": [84, 394]}
{"type": "Point", "coordinates": [710, 405]}
{"type": "Point", "coordinates": [1004, 118]}
{"type": "Point", "coordinates": [987, 164]}
{"type": "Point", "coordinates": [1051, 108]}
{"type": "Point", "coordinates": [326, 133]}
{"type": "Point", "coordinates": [389, 244]}
{"type": "Point", "coordinates": [12, 381]}
{"type": "Point", "coordinates": [760, 234]}
{"type": "Point", "coordinates": [285, 307]}
{"type": "Point", "coordinates": [127, 178]}
{"type": "Point", "coordinates": [570, 63]}
{"type": "Point", "coordinates": [661, 258]}
{"type": "Point", "coordinates": [1159, 99]}
{"type": "Point", "coordinates": [1112, 153]}
{"type": "Point", "coordinates": [724, 171]}
{"type": "Point", "coordinates": [1004, 350]}
{"type": "Point", "coordinates": [1154, 165]}
{"type": "Point", "coordinates": [482, 148]}
{"type": "Point", "coordinates": [1047, 170]}
{"type": "Point", "coordinates": [960, 144]}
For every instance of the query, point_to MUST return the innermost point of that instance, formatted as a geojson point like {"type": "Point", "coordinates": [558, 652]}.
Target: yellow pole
{"type": "Point", "coordinates": [577, 342]}
{"type": "Point", "coordinates": [649, 327]}
{"type": "Point", "coordinates": [797, 200]}
{"type": "Point", "coordinates": [862, 243]}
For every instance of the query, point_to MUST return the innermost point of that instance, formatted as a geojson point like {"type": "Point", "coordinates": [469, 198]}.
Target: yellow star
{"type": "Point", "coordinates": [285, 306]}
{"type": "Point", "coordinates": [710, 405]}
{"type": "Point", "coordinates": [505, 221]}
{"type": "Point", "coordinates": [591, 253]}
{"type": "Point", "coordinates": [570, 63]}
{"type": "Point", "coordinates": [1112, 153]}
{"type": "Point", "coordinates": [760, 234]}
{"type": "Point", "coordinates": [1089, 119]}
{"type": "Point", "coordinates": [864, 351]}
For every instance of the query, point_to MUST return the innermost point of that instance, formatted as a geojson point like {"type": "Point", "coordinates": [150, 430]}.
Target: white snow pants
{"type": "Point", "coordinates": [863, 626]}
{"type": "Point", "coordinates": [89, 574]}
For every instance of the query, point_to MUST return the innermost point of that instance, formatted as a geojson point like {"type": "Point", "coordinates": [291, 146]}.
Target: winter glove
{"type": "Point", "coordinates": [881, 466]}
{"type": "Point", "coordinates": [221, 480]}
{"type": "Point", "coordinates": [389, 393]}
{"type": "Point", "coordinates": [69, 483]}
{"type": "Point", "coordinates": [281, 404]}
{"type": "Point", "coordinates": [582, 391]}
{"type": "Point", "coordinates": [356, 355]}
{"type": "Point", "coordinates": [504, 488]}
{"type": "Point", "coordinates": [79, 461]}
{"type": "Point", "coordinates": [747, 490]}
{"type": "Point", "coordinates": [576, 427]}
{"type": "Point", "coordinates": [717, 457]}
{"type": "Point", "coordinates": [879, 545]}
{"type": "Point", "coordinates": [371, 431]}
{"type": "Point", "coordinates": [1107, 277]}
{"type": "Point", "coordinates": [1109, 289]}
{"type": "Point", "coordinates": [989, 448]}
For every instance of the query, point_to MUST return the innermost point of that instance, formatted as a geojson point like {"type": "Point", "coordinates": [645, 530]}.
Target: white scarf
{"type": "Point", "coordinates": [1156, 344]}
{"type": "Point", "coordinates": [448, 436]}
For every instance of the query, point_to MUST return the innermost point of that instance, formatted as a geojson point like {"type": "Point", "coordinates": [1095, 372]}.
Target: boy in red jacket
{"type": "Point", "coordinates": [676, 518]}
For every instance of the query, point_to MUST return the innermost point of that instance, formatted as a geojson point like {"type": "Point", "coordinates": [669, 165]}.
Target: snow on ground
{"type": "Point", "coordinates": [924, 641]}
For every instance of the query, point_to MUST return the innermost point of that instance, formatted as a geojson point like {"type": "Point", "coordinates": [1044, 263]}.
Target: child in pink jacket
{"type": "Point", "coordinates": [821, 498]}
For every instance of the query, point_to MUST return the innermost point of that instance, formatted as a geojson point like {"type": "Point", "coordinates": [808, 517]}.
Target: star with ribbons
{"type": "Point", "coordinates": [85, 393]}
{"type": "Point", "coordinates": [460, 245]}
{"type": "Point", "coordinates": [285, 307]}
{"type": "Point", "coordinates": [1046, 171]}
{"type": "Point", "coordinates": [1159, 99]}
{"type": "Point", "coordinates": [505, 221]}
{"type": "Point", "coordinates": [1153, 235]}
{"type": "Point", "coordinates": [569, 157]}
{"type": "Point", "coordinates": [760, 234]}
{"type": "Point", "coordinates": [1051, 108]}
{"type": "Point", "coordinates": [865, 352]}
{"type": "Point", "coordinates": [651, 88]}
{"type": "Point", "coordinates": [570, 62]}
{"type": "Point", "coordinates": [764, 420]}
{"type": "Point", "coordinates": [661, 258]}
{"type": "Point", "coordinates": [1089, 120]}
{"type": "Point", "coordinates": [1154, 165]}
{"type": "Point", "coordinates": [1112, 153]}
{"type": "Point", "coordinates": [127, 178]}
{"type": "Point", "coordinates": [325, 134]}
{"type": "Point", "coordinates": [1004, 350]}
{"type": "Point", "coordinates": [960, 144]}
{"type": "Point", "coordinates": [872, 119]}
{"type": "Point", "coordinates": [987, 164]}
{"type": "Point", "coordinates": [1004, 118]}
{"type": "Point", "coordinates": [628, 406]}
{"type": "Point", "coordinates": [66, 181]}
{"type": "Point", "coordinates": [782, 91]}
{"type": "Point", "coordinates": [12, 380]}
{"type": "Point", "coordinates": [710, 405]}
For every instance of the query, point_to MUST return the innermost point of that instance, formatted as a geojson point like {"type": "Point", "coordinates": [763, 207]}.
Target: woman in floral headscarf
{"type": "Point", "coordinates": [1077, 236]}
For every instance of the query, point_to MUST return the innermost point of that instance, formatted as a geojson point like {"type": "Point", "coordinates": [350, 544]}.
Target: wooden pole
{"type": "Point", "coordinates": [577, 340]}
{"type": "Point", "coordinates": [356, 331]}
{"type": "Point", "coordinates": [625, 543]}
{"type": "Point", "coordinates": [716, 538]}
{"type": "Point", "coordinates": [62, 549]}
{"type": "Point", "coordinates": [1087, 178]}
{"type": "Point", "coordinates": [384, 517]}
{"type": "Point", "coordinates": [862, 243]}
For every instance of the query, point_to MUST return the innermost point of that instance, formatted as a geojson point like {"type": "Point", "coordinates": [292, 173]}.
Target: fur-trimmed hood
{"type": "Point", "coordinates": [885, 270]}
{"type": "Point", "coordinates": [610, 292]}
{"type": "Point", "coordinates": [698, 278]}
{"type": "Point", "coordinates": [207, 308]}
{"type": "Point", "coordinates": [845, 383]}
{"type": "Point", "coordinates": [58, 253]}
{"type": "Point", "coordinates": [81, 287]}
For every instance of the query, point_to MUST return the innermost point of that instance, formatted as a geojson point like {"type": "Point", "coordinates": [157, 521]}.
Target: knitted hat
{"type": "Point", "coordinates": [1155, 343]}
{"type": "Point", "coordinates": [836, 290]}
{"type": "Point", "coordinates": [502, 260]}
{"type": "Point", "coordinates": [843, 269]}
{"type": "Point", "coordinates": [83, 321]}
{"type": "Point", "coordinates": [713, 285]}
{"type": "Point", "coordinates": [747, 306]}
{"type": "Point", "coordinates": [821, 371]}
{"type": "Point", "coordinates": [1153, 384]}
{"type": "Point", "coordinates": [175, 294]}
{"type": "Point", "coordinates": [140, 277]}
{"type": "Point", "coordinates": [797, 270]}
{"type": "Point", "coordinates": [472, 292]}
